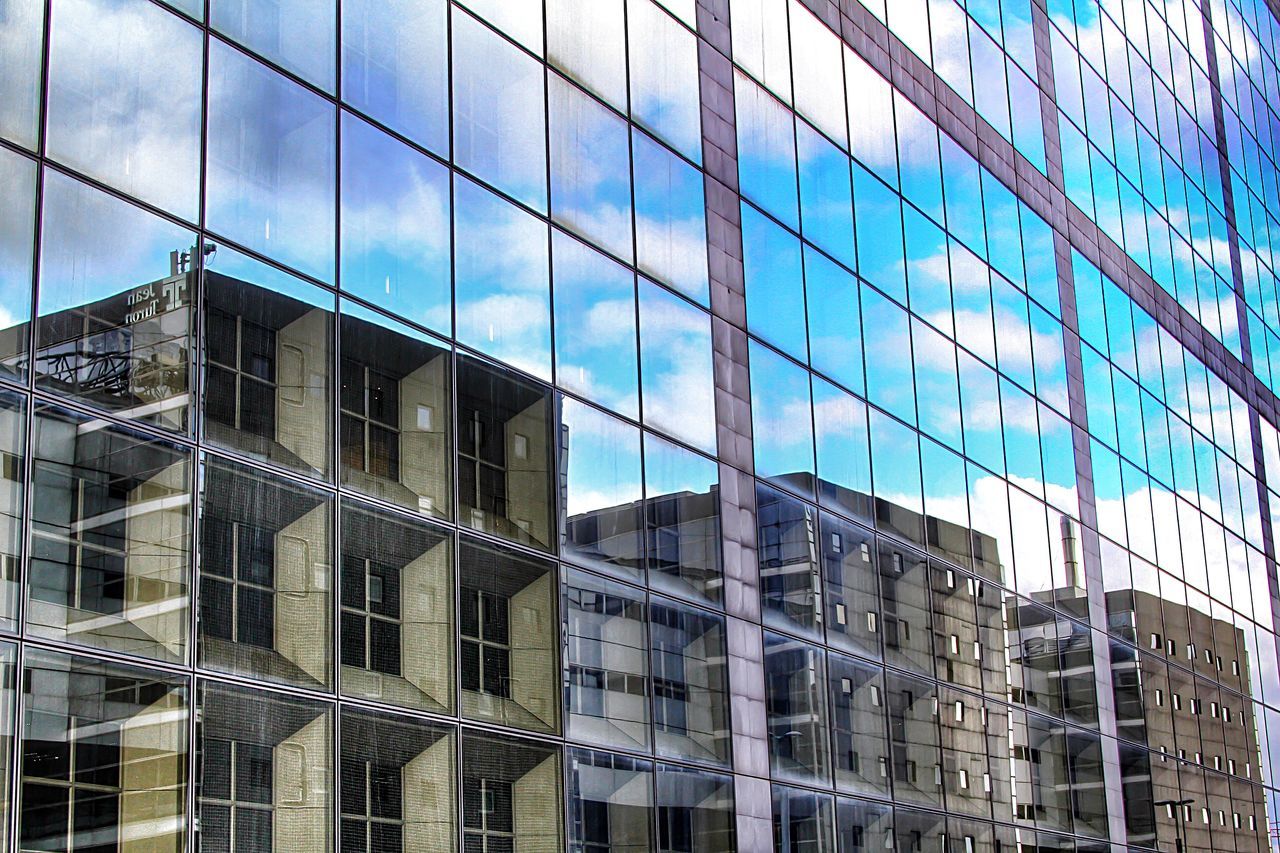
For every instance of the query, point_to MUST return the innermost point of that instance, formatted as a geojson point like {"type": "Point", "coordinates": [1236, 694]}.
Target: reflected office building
{"type": "Point", "coordinates": [687, 426]}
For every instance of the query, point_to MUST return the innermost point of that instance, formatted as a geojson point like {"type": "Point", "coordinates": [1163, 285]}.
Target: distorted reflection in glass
{"type": "Point", "coordinates": [774, 280]}
{"type": "Point", "coordinates": [590, 174]}
{"type": "Point", "coordinates": [682, 520]}
{"type": "Point", "coordinates": [13, 488]}
{"type": "Point", "coordinates": [937, 386]}
{"type": "Point", "coordinates": [603, 489]}
{"type": "Point", "coordinates": [397, 609]}
{"type": "Point", "coordinates": [585, 39]}
{"type": "Point", "coordinates": [895, 470]}
{"type": "Point", "coordinates": [826, 193]}
{"type": "Point", "coordinates": [878, 218]}
{"type": "Point", "coordinates": [607, 675]}
{"type": "Point", "coordinates": [843, 451]}
{"type": "Point", "coordinates": [862, 826]}
{"type": "Point", "coordinates": [269, 176]}
{"type": "Point", "coordinates": [499, 119]}
{"type": "Point", "coordinates": [677, 382]}
{"type": "Point", "coordinates": [690, 682]}
{"type": "Point", "coordinates": [21, 49]}
{"type": "Point", "coordinates": [395, 67]}
{"type": "Point", "coordinates": [504, 455]}
{"type": "Point", "coordinates": [124, 99]}
{"type": "Point", "coordinates": [395, 412]}
{"type": "Point", "coordinates": [802, 820]}
{"type": "Point", "coordinates": [835, 321]}
{"type": "Point", "coordinates": [610, 801]}
{"type": "Point", "coordinates": [890, 384]}
{"type": "Point", "coordinates": [267, 375]}
{"type": "Point", "coordinates": [946, 503]}
{"type": "Point", "coordinates": [695, 810]}
{"type": "Point", "coordinates": [919, 164]}
{"type": "Point", "coordinates": [766, 151]}
{"type": "Point", "coordinates": [509, 634]}
{"type": "Point", "coordinates": [115, 309]}
{"type": "Point", "coordinates": [104, 756]}
{"type": "Point", "coordinates": [671, 218]}
{"type": "Point", "coordinates": [397, 783]}
{"type": "Point", "coordinates": [17, 257]}
{"type": "Point", "coordinates": [298, 35]}
{"type": "Point", "coordinates": [796, 704]}
{"type": "Point", "coordinates": [395, 226]}
{"type": "Point", "coordinates": [859, 748]}
{"type": "Point", "coordinates": [8, 723]}
{"type": "Point", "coordinates": [111, 537]}
{"type": "Point", "coordinates": [914, 739]}
{"type": "Point", "coordinates": [266, 573]}
{"type": "Point", "coordinates": [787, 544]}
{"type": "Point", "coordinates": [265, 770]}
{"type": "Point", "coordinates": [781, 422]}
{"type": "Point", "coordinates": [510, 790]}
{"type": "Point", "coordinates": [595, 322]}
{"type": "Point", "coordinates": [664, 73]}
{"type": "Point", "coordinates": [501, 279]}
{"type": "Point", "coordinates": [965, 771]}
{"type": "Point", "coordinates": [851, 595]}
{"type": "Point", "coordinates": [908, 617]}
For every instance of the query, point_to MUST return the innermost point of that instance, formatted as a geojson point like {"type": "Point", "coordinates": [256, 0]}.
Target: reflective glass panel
{"type": "Point", "coordinates": [115, 308]}
{"type": "Point", "coordinates": [111, 537]}
{"type": "Point", "coordinates": [782, 427]}
{"type": "Point", "coordinates": [843, 450]}
{"type": "Point", "coordinates": [13, 449]}
{"type": "Point", "coordinates": [297, 35]}
{"type": "Point", "coordinates": [766, 151]}
{"type": "Point", "coordinates": [786, 541]}
{"type": "Point", "coordinates": [395, 66]}
{"type": "Point", "coordinates": [671, 218]}
{"type": "Point", "coordinates": [774, 280]}
{"type": "Point", "coordinates": [675, 367]}
{"type": "Point", "coordinates": [269, 173]}
{"type": "Point", "coordinates": [664, 73]}
{"type": "Point", "coordinates": [859, 749]}
{"type": "Point", "coordinates": [17, 258]}
{"type": "Point", "coordinates": [104, 756]}
{"type": "Point", "coordinates": [124, 99]}
{"type": "Point", "coordinates": [835, 321]}
{"type": "Point", "coordinates": [611, 802]}
{"type": "Point", "coordinates": [509, 635]}
{"type": "Point", "coordinates": [397, 609]}
{"type": "Point", "coordinates": [395, 226]}
{"type": "Point", "coordinates": [682, 520]}
{"type": "Point", "coordinates": [802, 820]}
{"type": "Point", "coordinates": [21, 48]}
{"type": "Point", "coordinates": [265, 778]}
{"type": "Point", "coordinates": [585, 38]}
{"type": "Point", "coordinates": [510, 790]}
{"type": "Point", "coordinates": [852, 591]}
{"type": "Point", "coordinates": [690, 689]}
{"type": "Point", "coordinates": [266, 572]}
{"type": "Point", "coordinates": [695, 810]}
{"type": "Point", "coordinates": [796, 704]}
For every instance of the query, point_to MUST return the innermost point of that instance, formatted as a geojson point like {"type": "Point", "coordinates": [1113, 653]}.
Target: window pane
{"type": "Point", "coordinates": [826, 194]}
{"type": "Point", "coordinates": [111, 543]}
{"type": "Point", "coordinates": [397, 609]}
{"type": "Point", "coordinates": [127, 349]}
{"type": "Point", "coordinates": [504, 455]}
{"type": "Point", "coordinates": [397, 782]}
{"type": "Point", "coordinates": [695, 810]}
{"type": "Point", "coordinates": [859, 749]}
{"type": "Point", "coordinates": [603, 490]}
{"type": "Point", "coordinates": [854, 620]}
{"type": "Point", "coordinates": [611, 802]}
{"type": "Point", "coordinates": [914, 740]}
{"type": "Point", "coordinates": [690, 690]}
{"type": "Point", "coordinates": [13, 448]}
{"type": "Point", "coordinates": [503, 294]}
{"type": "Point", "coordinates": [265, 575]}
{"type": "Point", "coordinates": [499, 120]}
{"type": "Point", "coordinates": [298, 35]}
{"type": "Point", "coordinates": [265, 771]}
{"type": "Point", "coordinates": [590, 174]}
{"type": "Point", "coordinates": [790, 584]}
{"type": "Point", "coordinates": [774, 280]}
{"type": "Point", "coordinates": [671, 218]}
{"type": "Point", "coordinates": [863, 826]}
{"type": "Point", "coordinates": [507, 784]}
{"type": "Point", "coordinates": [124, 99]}
{"type": "Point", "coordinates": [17, 257]}
{"type": "Point", "coordinates": [396, 415]}
{"type": "Point", "coordinates": [395, 66]}
{"type": "Point", "coordinates": [766, 151]}
{"type": "Point", "coordinates": [104, 755]}
{"type": "Point", "coordinates": [664, 78]}
{"type": "Point", "coordinates": [595, 325]}
{"type": "Point", "coordinates": [802, 820]}
{"type": "Point", "coordinates": [395, 226]}
{"type": "Point", "coordinates": [521, 21]}
{"type": "Point", "coordinates": [607, 680]}
{"type": "Point", "coordinates": [843, 450]}
{"type": "Point", "coordinates": [268, 343]}
{"type": "Point", "coordinates": [781, 420]}
{"type": "Point", "coordinates": [585, 39]}
{"type": "Point", "coordinates": [682, 520]}
{"type": "Point", "coordinates": [796, 704]}
{"type": "Point", "coordinates": [21, 48]}
{"type": "Point", "coordinates": [270, 172]}
{"type": "Point", "coordinates": [509, 636]}
{"type": "Point", "coordinates": [675, 367]}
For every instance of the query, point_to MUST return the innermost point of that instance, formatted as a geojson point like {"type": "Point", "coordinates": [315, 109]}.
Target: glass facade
{"type": "Point", "coordinates": [639, 425]}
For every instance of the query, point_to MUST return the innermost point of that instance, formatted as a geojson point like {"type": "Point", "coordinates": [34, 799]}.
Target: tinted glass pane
{"type": "Point", "coordinates": [298, 35]}
{"type": "Point", "coordinates": [675, 367]}
{"type": "Point", "coordinates": [17, 258]}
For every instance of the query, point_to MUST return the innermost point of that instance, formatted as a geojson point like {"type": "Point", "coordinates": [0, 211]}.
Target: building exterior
{"type": "Point", "coordinates": [628, 425]}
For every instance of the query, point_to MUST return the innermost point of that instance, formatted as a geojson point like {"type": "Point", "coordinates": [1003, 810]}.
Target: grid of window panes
{"type": "Point", "coordinates": [1245, 38]}
{"type": "Point", "coordinates": [1139, 149]}
{"type": "Point", "coordinates": [294, 430]}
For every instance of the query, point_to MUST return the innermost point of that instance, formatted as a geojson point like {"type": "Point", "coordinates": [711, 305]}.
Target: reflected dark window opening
{"type": "Point", "coordinates": [237, 586]}
{"type": "Point", "coordinates": [486, 642]}
{"type": "Point", "coordinates": [237, 808]}
{"type": "Point", "coordinates": [372, 807]}
{"type": "Point", "coordinates": [489, 825]}
{"type": "Point", "coordinates": [370, 413]}
{"type": "Point", "coordinates": [71, 787]}
{"type": "Point", "coordinates": [241, 392]}
{"type": "Point", "coordinates": [371, 621]}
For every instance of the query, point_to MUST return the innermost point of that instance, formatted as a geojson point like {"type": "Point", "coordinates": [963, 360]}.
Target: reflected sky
{"type": "Point", "coordinates": [826, 194]}
{"type": "Point", "coordinates": [671, 218]}
{"type": "Point", "coordinates": [878, 212]}
{"type": "Point", "coordinates": [603, 467]}
{"type": "Point", "coordinates": [503, 293]}
{"type": "Point", "coordinates": [299, 35]}
{"type": "Point", "coordinates": [595, 313]}
{"type": "Point", "coordinates": [835, 321]}
{"type": "Point", "coordinates": [678, 390]}
{"type": "Point", "coordinates": [766, 151]}
{"type": "Point", "coordinates": [774, 278]}
{"type": "Point", "coordinates": [17, 238]}
{"type": "Point", "coordinates": [781, 419]}
{"type": "Point", "coordinates": [889, 380]}
{"type": "Point", "coordinates": [816, 62]}
{"type": "Point", "coordinates": [664, 65]}
{"type": "Point", "coordinates": [395, 226]}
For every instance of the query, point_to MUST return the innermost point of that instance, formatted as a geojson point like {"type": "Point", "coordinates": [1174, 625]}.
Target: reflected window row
{"type": "Point", "coordinates": [271, 169]}
{"type": "Point", "coordinates": [117, 306]}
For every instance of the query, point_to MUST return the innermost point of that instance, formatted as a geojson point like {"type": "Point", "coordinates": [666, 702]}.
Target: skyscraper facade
{"type": "Point", "coordinates": [628, 425]}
